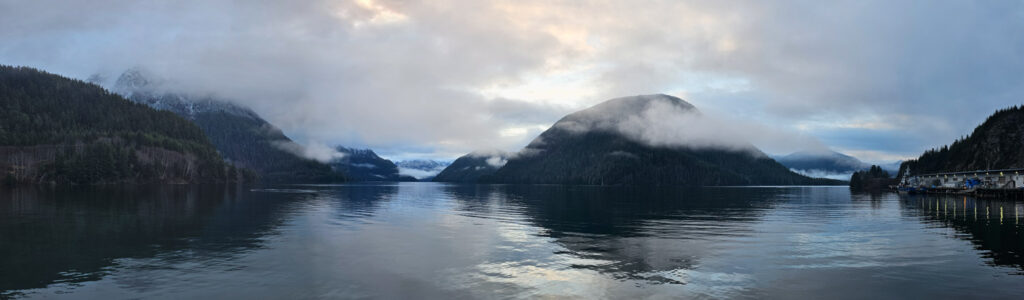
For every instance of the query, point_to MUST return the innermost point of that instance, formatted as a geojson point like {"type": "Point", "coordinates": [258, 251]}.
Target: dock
{"type": "Point", "coordinates": [1003, 183]}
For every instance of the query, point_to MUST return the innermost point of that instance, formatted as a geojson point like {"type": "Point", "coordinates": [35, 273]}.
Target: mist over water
{"type": "Point", "coordinates": [437, 241]}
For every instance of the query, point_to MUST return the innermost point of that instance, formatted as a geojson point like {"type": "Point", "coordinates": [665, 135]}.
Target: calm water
{"type": "Point", "coordinates": [424, 240]}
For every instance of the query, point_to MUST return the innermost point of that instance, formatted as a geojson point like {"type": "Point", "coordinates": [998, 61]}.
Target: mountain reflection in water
{"type": "Point", "coordinates": [992, 225]}
{"type": "Point", "coordinates": [427, 240]}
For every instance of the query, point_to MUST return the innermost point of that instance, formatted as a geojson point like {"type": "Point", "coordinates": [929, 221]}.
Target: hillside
{"type": "Point", "coordinates": [59, 130]}
{"type": "Point", "coordinates": [828, 161]}
{"type": "Point", "coordinates": [998, 143]}
{"type": "Point", "coordinates": [241, 136]}
{"type": "Point", "coordinates": [471, 167]}
{"type": "Point", "coordinates": [828, 164]}
{"type": "Point", "coordinates": [590, 147]}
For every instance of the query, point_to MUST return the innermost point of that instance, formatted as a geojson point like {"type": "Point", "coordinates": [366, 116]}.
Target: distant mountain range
{"type": "Point", "coordinates": [588, 147]}
{"type": "Point", "coordinates": [365, 165]}
{"type": "Point", "coordinates": [421, 169]}
{"type": "Point", "coordinates": [239, 134]}
{"type": "Point", "coordinates": [998, 143]}
{"type": "Point", "coordinates": [585, 147]}
{"type": "Point", "coordinates": [830, 161]}
{"type": "Point", "coordinates": [828, 164]}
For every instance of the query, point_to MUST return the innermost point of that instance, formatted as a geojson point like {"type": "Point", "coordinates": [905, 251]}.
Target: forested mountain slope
{"type": "Point", "coordinates": [241, 136]}
{"type": "Point", "coordinates": [998, 143]}
{"type": "Point", "coordinates": [59, 130]}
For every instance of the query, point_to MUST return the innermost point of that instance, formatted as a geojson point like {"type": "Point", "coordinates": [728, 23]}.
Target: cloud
{"type": "Point", "coordinates": [665, 124]}
{"type": "Point", "coordinates": [494, 157]}
{"type": "Point", "coordinates": [438, 78]}
{"type": "Point", "coordinates": [665, 121]}
{"type": "Point", "coordinates": [313, 150]}
{"type": "Point", "coordinates": [417, 173]}
{"type": "Point", "coordinates": [421, 169]}
{"type": "Point", "coordinates": [824, 174]}
{"type": "Point", "coordinates": [497, 162]}
{"type": "Point", "coordinates": [342, 72]}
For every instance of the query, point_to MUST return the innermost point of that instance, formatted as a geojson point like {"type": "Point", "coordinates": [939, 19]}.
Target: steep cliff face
{"type": "Point", "coordinates": [998, 143]}
{"type": "Point", "coordinates": [58, 130]}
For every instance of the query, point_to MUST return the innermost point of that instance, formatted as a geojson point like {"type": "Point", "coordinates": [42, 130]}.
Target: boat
{"type": "Point", "coordinates": [909, 190]}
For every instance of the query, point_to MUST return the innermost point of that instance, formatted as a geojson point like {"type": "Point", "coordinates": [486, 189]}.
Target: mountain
{"type": "Point", "coordinates": [608, 144]}
{"type": "Point", "coordinates": [471, 167]}
{"type": "Point", "coordinates": [829, 164]}
{"type": "Point", "coordinates": [59, 130]}
{"type": "Point", "coordinates": [998, 143]}
{"type": "Point", "coordinates": [365, 165]}
{"type": "Point", "coordinates": [239, 134]}
{"type": "Point", "coordinates": [421, 169]}
{"type": "Point", "coordinates": [825, 161]}
{"type": "Point", "coordinates": [138, 87]}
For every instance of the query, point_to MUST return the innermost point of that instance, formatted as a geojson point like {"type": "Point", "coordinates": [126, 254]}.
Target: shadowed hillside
{"type": "Point", "coordinates": [600, 146]}
{"type": "Point", "coordinates": [59, 130]}
{"type": "Point", "coordinates": [998, 143]}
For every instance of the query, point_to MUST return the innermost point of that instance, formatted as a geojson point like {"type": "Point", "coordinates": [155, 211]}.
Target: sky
{"type": "Point", "coordinates": [879, 80]}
